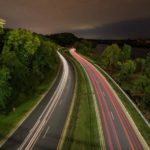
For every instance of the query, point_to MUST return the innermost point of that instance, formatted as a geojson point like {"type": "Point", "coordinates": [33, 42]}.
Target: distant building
{"type": "Point", "coordinates": [2, 23]}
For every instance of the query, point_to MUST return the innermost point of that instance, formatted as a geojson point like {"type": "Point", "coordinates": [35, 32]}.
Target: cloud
{"type": "Point", "coordinates": [50, 16]}
{"type": "Point", "coordinates": [138, 28]}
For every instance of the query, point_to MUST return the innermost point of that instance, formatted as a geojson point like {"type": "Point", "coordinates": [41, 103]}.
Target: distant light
{"type": "Point", "coordinates": [2, 23]}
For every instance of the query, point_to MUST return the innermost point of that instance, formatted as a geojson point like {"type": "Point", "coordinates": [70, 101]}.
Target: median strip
{"type": "Point", "coordinates": [82, 131]}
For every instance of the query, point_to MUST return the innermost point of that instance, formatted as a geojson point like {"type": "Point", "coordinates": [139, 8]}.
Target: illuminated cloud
{"type": "Point", "coordinates": [50, 16]}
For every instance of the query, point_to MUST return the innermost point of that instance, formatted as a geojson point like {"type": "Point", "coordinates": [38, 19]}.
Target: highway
{"type": "Point", "coordinates": [43, 128]}
{"type": "Point", "coordinates": [118, 132]}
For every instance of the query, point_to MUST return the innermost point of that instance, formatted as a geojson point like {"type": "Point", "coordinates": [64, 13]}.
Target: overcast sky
{"type": "Point", "coordinates": [85, 18]}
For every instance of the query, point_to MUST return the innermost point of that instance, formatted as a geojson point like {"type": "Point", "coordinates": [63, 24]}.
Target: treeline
{"type": "Point", "coordinates": [132, 75]}
{"type": "Point", "coordinates": [63, 39]}
{"type": "Point", "coordinates": [25, 61]}
{"type": "Point", "coordinates": [141, 43]}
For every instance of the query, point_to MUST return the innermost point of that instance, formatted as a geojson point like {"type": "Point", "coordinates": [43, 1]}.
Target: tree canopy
{"type": "Point", "coordinates": [25, 59]}
{"type": "Point", "coordinates": [110, 56]}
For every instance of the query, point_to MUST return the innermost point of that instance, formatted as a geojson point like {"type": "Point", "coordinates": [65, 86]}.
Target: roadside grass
{"type": "Point", "coordinates": [82, 132]}
{"type": "Point", "coordinates": [10, 121]}
{"type": "Point", "coordinates": [141, 125]}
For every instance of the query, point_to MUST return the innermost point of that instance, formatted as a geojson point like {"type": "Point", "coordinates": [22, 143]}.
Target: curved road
{"type": "Point", "coordinates": [118, 132]}
{"type": "Point", "coordinates": [43, 128]}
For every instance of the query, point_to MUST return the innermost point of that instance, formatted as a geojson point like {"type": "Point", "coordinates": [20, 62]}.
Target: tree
{"type": "Point", "coordinates": [18, 71]}
{"type": "Point", "coordinates": [140, 65]}
{"type": "Point", "coordinates": [83, 46]}
{"type": "Point", "coordinates": [1, 30]}
{"type": "Point", "coordinates": [147, 97]}
{"type": "Point", "coordinates": [139, 84]}
{"type": "Point", "coordinates": [26, 60]}
{"type": "Point", "coordinates": [141, 90]}
{"type": "Point", "coordinates": [45, 58]}
{"type": "Point", "coordinates": [23, 43]}
{"type": "Point", "coordinates": [110, 56]}
{"type": "Point", "coordinates": [64, 39]}
{"type": "Point", "coordinates": [5, 89]}
{"type": "Point", "coordinates": [125, 53]}
{"type": "Point", "coordinates": [148, 65]}
{"type": "Point", "coordinates": [127, 69]}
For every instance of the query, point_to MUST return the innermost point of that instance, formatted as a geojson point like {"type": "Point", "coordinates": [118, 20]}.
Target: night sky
{"type": "Point", "coordinates": [85, 18]}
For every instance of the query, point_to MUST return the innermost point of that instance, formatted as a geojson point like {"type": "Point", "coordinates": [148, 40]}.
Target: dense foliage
{"type": "Point", "coordinates": [25, 60]}
{"type": "Point", "coordinates": [84, 46]}
{"type": "Point", "coordinates": [132, 75]}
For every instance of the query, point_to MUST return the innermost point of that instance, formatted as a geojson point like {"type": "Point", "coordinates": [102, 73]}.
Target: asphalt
{"type": "Point", "coordinates": [117, 129]}
{"type": "Point", "coordinates": [49, 136]}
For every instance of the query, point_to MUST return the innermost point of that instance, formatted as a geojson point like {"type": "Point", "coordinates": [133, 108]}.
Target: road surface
{"type": "Point", "coordinates": [117, 130]}
{"type": "Point", "coordinates": [43, 128]}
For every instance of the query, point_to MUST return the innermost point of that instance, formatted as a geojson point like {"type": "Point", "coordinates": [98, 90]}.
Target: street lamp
{"type": "Point", "coordinates": [2, 23]}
